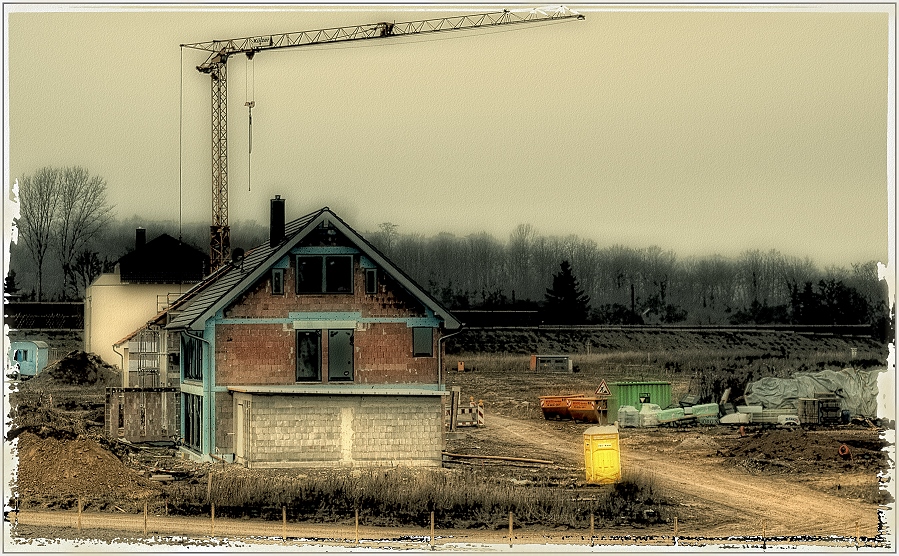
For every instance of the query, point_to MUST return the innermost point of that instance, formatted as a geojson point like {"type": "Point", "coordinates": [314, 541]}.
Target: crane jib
{"type": "Point", "coordinates": [220, 50]}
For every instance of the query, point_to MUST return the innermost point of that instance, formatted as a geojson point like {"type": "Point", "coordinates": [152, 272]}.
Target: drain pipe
{"type": "Point", "coordinates": [122, 357]}
{"type": "Point", "coordinates": [440, 354]}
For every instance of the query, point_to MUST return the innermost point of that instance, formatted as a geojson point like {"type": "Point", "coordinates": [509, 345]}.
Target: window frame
{"type": "Point", "coordinates": [418, 342]}
{"type": "Point", "coordinates": [277, 279]}
{"type": "Point", "coordinates": [317, 341]}
{"type": "Point", "coordinates": [371, 281]}
{"type": "Point", "coordinates": [327, 281]}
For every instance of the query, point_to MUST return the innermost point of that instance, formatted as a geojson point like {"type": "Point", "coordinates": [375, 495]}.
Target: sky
{"type": "Point", "coordinates": [703, 130]}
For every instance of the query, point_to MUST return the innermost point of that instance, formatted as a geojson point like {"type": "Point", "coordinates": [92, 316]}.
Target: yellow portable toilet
{"type": "Point", "coordinates": [601, 455]}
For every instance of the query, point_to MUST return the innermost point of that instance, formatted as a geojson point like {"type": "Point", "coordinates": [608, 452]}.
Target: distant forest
{"type": "Point", "coordinates": [594, 284]}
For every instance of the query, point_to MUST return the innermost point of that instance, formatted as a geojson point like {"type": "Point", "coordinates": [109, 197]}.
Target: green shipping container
{"type": "Point", "coordinates": [638, 393]}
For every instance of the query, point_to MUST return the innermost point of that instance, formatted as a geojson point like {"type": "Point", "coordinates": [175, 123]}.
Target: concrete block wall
{"type": "Point", "coordinates": [224, 422]}
{"type": "Point", "coordinates": [345, 430]}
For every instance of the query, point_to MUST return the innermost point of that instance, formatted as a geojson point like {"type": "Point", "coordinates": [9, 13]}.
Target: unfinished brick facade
{"type": "Point", "coordinates": [266, 353]}
{"type": "Point", "coordinates": [313, 350]}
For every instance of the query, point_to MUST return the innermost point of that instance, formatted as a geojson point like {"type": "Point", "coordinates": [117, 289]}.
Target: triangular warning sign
{"type": "Point", "coordinates": [603, 389]}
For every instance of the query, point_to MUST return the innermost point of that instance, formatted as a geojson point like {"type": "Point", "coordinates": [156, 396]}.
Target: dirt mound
{"type": "Point", "coordinates": [78, 368]}
{"type": "Point", "coordinates": [52, 468]}
{"type": "Point", "coordinates": [801, 446]}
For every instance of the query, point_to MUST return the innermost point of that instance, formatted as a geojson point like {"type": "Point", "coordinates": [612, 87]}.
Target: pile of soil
{"type": "Point", "coordinates": [52, 470]}
{"type": "Point", "coordinates": [66, 400]}
{"type": "Point", "coordinates": [801, 447]}
{"type": "Point", "coordinates": [78, 368]}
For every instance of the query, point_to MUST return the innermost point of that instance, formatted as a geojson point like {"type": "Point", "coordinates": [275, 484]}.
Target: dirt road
{"type": "Point", "coordinates": [716, 500]}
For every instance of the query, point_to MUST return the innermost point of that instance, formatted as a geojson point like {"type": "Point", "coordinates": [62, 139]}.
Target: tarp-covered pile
{"type": "Point", "coordinates": [856, 390]}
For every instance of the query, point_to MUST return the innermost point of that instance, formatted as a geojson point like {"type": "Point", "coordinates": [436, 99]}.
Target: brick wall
{"type": "Point", "coordinates": [266, 353]}
{"type": "Point", "coordinates": [390, 301]}
{"type": "Point", "coordinates": [345, 430]}
{"type": "Point", "coordinates": [161, 413]}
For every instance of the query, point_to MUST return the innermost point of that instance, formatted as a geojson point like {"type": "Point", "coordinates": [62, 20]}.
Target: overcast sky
{"type": "Point", "coordinates": [703, 132]}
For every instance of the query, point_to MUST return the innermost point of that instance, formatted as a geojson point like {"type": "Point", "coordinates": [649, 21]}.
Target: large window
{"type": "Point", "coordinates": [325, 274]}
{"type": "Point", "coordinates": [192, 356]}
{"type": "Point", "coordinates": [193, 420]}
{"type": "Point", "coordinates": [309, 355]}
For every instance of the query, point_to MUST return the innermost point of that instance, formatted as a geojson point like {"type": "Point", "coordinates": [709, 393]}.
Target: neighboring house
{"type": "Point", "coordinates": [311, 350]}
{"type": "Point", "coordinates": [144, 282]}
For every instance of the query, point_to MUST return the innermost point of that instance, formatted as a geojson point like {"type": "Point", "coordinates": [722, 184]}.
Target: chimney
{"type": "Point", "coordinates": [276, 225]}
{"type": "Point", "coordinates": [140, 238]}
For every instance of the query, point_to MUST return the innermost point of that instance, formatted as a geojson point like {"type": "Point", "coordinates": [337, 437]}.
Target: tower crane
{"type": "Point", "coordinates": [217, 62]}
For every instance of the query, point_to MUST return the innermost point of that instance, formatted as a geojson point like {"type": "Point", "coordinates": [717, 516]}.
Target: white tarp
{"type": "Point", "coordinates": [856, 390]}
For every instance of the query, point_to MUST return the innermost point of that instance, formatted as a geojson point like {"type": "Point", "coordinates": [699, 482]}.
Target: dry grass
{"type": "Point", "coordinates": [393, 497]}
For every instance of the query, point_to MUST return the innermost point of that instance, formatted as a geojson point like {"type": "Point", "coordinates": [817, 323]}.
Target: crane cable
{"type": "Point", "coordinates": [180, 145]}
{"type": "Point", "coordinates": [249, 67]}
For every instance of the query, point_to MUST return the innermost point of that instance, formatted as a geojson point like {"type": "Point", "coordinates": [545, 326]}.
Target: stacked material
{"type": "Point", "coordinates": [628, 416]}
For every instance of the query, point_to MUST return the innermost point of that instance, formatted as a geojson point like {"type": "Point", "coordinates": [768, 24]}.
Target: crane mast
{"type": "Point", "coordinates": [216, 65]}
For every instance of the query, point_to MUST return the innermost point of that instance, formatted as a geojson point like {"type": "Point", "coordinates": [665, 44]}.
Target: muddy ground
{"type": "Point", "coordinates": [715, 481]}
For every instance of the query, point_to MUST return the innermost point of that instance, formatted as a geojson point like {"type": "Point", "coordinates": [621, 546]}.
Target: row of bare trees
{"type": "Point", "coordinates": [654, 284]}
{"type": "Point", "coordinates": [61, 211]}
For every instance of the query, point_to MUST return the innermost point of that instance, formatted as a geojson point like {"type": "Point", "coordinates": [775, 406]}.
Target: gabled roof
{"type": "Point", "coordinates": [164, 260]}
{"type": "Point", "coordinates": [225, 285]}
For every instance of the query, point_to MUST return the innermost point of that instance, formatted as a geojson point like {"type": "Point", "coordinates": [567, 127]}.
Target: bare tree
{"type": "Point", "coordinates": [39, 203]}
{"type": "Point", "coordinates": [83, 212]}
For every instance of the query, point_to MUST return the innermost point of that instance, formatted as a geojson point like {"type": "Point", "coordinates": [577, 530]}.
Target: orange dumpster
{"type": "Point", "coordinates": [556, 407]}
{"type": "Point", "coordinates": [588, 410]}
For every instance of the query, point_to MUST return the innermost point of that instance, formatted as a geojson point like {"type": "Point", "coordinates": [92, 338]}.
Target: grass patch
{"type": "Point", "coordinates": [405, 497]}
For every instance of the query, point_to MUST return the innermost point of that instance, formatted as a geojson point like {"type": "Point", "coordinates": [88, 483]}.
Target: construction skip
{"type": "Point", "coordinates": [602, 455]}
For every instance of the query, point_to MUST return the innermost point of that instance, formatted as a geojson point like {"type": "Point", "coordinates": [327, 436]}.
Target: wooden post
{"type": "Point", "coordinates": [79, 514]}
{"type": "Point", "coordinates": [454, 407]}
{"type": "Point", "coordinates": [209, 488]}
{"type": "Point", "coordinates": [591, 529]}
{"type": "Point", "coordinates": [145, 519]}
{"type": "Point", "coordinates": [857, 536]}
{"type": "Point", "coordinates": [675, 527]}
{"type": "Point", "coordinates": [166, 508]}
{"type": "Point", "coordinates": [510, 529]}
{"type": "Point", "coordinates": [357, 526]}
{"type": "Point", "coordinates": [764, 533]}
{"type": "Point", "coordinates": [432, 530]}
{"type": "Point", "coordinates": [284, 523]}
{"type": "Point", "coordinates": [212, 524]}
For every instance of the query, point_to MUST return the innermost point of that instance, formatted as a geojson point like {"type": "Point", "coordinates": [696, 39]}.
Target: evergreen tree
{"type": "Point", "coordinates": [566, 302]}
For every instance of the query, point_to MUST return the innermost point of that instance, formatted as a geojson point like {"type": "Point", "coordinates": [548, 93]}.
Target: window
{"type": "Point", "coordinates": [21, 355]}
{"type": "Point", "coordinates": [325, 274]}
{"type": "Point", "coordinates": [309, 356]}
{"type": "Point", "coordinates": [371, 281]}
{"type": "Point", "coordinates": [422, 342]}
{"type": "Point", "coordinates": [192, 350]}
{"type": "Point", "coordinates": [193, 420]}
{"type": "Point", "coordinates": [277, 281]}
{"type": "Point", "coordinates": [340, 355]}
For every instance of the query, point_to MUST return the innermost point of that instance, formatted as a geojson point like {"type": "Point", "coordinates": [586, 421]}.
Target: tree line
{"type": "Point", "coordinates": [68, 235]}
{"type": "Point", "coordinates": [586, 283]}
